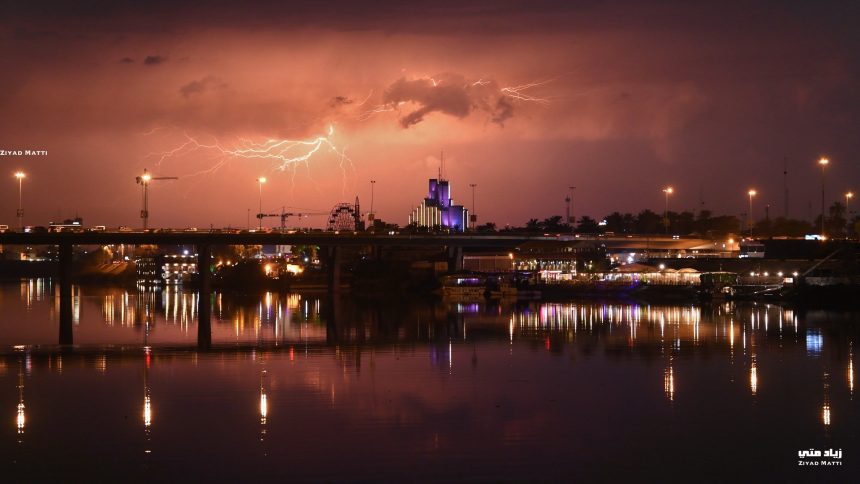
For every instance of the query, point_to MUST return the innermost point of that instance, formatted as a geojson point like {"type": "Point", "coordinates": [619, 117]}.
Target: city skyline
{"type": "Point", "coordinates": [620, 101]}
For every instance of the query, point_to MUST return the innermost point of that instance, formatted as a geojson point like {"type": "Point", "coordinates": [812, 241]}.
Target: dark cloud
{"type": "Point", "coordinates": [338, 101]}
{"type": "Point", "coordinates": [35, 34]}
{"type": "Point", "coordinates": [126, 60]}
{"type": "Point", "coordinates": [154, 60]}
{"type": "Point", "coordinates": [201, 86]}
{"type": "Point", "coordinates": [504, 110]}
{"type": "Point", "coordinates": [450, 94]}
{"type": "Point", "coordinates": [438, 16]}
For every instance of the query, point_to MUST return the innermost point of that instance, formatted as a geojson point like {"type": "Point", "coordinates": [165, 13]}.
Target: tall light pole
{"type": "Point", "coordinates": [823, 162]}
{"type": "Point", "coordinates": [261, 181]}
{"type": "Point", "coordinates": [473, 218]}
{"type": "Point", "coordinates": [144, 180]}
{"type": "Point", "coordinates": [20, 175]}
{"type": "Point", "coordinates": [567, 208]}
{"type": "Point", "coordinates": [848, 197]}
{"type": "Point", "coordinates": [751, 193]}
{"type": "Point", "coordinates": [668, 191]}
{"type": "Point", "coordinates": [570, 218]}
{"type": "Point", "coordinates": [371, 217]}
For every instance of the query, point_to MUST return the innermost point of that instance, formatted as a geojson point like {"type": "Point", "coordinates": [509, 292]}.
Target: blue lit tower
{"type": "Point", "coordinates": [438, 209]}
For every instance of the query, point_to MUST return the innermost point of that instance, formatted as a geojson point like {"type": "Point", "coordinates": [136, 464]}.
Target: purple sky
{"type": "Point", "coordinates": [630, 98]}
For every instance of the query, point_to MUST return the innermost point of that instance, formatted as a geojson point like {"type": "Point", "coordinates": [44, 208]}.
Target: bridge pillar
{"type": "Point", "coordinates": [65, 280]}
{"type": "Point", "coordinates": [333, 317]}
{"type": "Point", "coordinates": [333, 268]}
{"type": "Point", "coordinates": [204, 299]}
{"type": "Point", "coordinates": [455, 258]}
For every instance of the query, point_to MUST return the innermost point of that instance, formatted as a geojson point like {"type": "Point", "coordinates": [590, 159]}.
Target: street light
{"type": "Point", "coordinates": [261, 181]}
{"type": "Point", "coordinates": [20, 175]}
{"type": "Point", "coordinates": [473, 218]}
{"type": "Point", "coordinates": [144, 182]}
{"type": "Point", "coordinates": [848, 197]}
{"type": "Point", "coordinates": [371, 216]}
{"type": "Point", "coordinates": [751, 193]}
{"type": "Point", "coordinates": [668, 191]}
{"type": "Point", "coordinates": [823, 162]}
{"type": "Point", "coordinates": [570, 218]}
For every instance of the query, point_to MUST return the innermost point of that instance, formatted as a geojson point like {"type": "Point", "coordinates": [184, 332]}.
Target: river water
{"type": "Point", "coordinates": [311, 388]}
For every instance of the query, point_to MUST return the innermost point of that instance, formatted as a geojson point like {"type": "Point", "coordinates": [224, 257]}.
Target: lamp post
{"type": "Point", "coordinates": [261, 181]}
{"type": "Point", "coordinates": [473, 218]}
{"type": "Point", "coordinates": [668, 191]}
{"type": "Point", "coordinates": [144, 186]}
{"type": "Point", "coordinates": [823, 162]}
{"type": "Point", "coordinates": [848, 197]}
{"type": "Point", "coordinates": [751, 193]}
{"type": "Point", "coordinates": [144, 181]}
{"type": "Point", "coordinates": [20, 175]}
{"type": "Point", "coordinates": [570, 218]}
{"type": "Point", "coordinates": [371, 217]}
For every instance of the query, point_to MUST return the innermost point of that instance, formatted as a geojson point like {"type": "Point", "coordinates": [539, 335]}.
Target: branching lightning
{"type": "Point", "coordinates": [286, 154]}
{"type": "Point", "coordinates": [380, 108]}
{"type": "Point", "coordinates": [519, 92]}
{"type": "Point", "coordinates": [435, 94]}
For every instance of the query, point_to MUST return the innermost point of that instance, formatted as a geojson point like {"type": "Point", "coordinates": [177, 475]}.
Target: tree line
{"type": "Point", "coordinates": [837, 222]}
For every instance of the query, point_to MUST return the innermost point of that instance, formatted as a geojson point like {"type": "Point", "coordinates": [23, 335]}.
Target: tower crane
{"type": "Point", "coordinates": [285, 215]}
{"type": "Point", "coordinates": [144, 180]}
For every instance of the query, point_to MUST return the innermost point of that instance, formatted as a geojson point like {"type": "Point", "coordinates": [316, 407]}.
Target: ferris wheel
{"type": "Point", "coordinates": [343, 217]}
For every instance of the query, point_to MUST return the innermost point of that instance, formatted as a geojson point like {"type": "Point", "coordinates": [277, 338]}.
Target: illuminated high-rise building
{"type": "Point", "coordinates": [438, 209]}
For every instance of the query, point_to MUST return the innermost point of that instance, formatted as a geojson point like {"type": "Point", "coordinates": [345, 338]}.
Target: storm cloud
{"type": "Point", "coordinates": [450, 94]}
{"type": "Point", "coordinates": [154, 60]}
{"type": "Point", "coordinates": [200, 86]}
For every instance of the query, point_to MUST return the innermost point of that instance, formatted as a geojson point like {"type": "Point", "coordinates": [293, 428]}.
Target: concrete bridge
{"type": "Point", "coordinates": [331, 244]}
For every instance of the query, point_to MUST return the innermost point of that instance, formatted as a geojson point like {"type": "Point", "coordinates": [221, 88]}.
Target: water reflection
{"type": "Point", "coordinates": [669, 382]}
{"type": "Point", "coordinates": [21, 419]}
{"type": "Point", "coordinates": [277, 358]}
{"type": "Point", "coordinates": [851, 367]}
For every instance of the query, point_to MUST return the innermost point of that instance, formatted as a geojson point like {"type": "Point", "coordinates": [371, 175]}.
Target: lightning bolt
{"type": "Point", "coordinates": [286, 154]}
{"type": "Point", "coordinates": [519, 92]}
{"type": "Point", "coordinates": [380, 108]}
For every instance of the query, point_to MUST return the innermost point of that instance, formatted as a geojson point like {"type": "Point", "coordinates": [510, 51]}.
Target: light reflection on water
{"type": "Point", "coordinates": [482, 390]}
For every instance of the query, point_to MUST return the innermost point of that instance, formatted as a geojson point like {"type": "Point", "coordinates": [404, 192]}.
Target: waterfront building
{"type": "Point", "coordinates": [438, 209]}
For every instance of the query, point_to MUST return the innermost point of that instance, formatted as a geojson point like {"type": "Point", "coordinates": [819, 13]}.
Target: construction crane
{"type": "Point", "coordinates": [285, 215]}
{"type": "Point", "coordinates": [144, 181]}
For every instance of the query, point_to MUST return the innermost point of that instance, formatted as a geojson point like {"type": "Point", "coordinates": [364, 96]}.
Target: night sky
{"type": "Point", "coordinates": [625, 99]}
